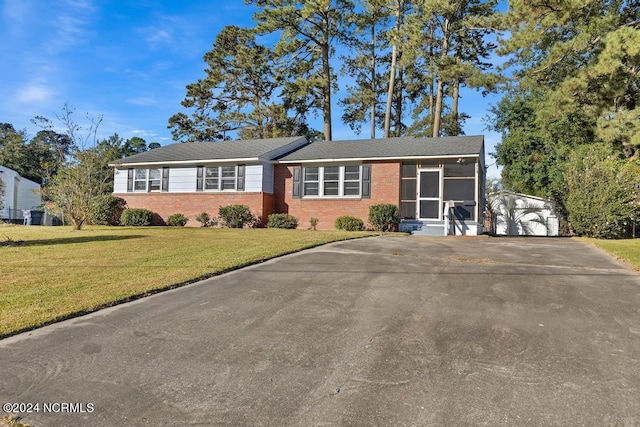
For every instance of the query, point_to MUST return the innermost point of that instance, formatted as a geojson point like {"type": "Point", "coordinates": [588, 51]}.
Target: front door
{"type": "Point", "coordinates": [429, 194]}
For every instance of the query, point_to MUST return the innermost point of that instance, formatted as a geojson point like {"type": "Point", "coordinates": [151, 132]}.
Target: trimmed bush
{"type": "Point", "coordinates": [349, 223]}
{"type": "Point", "coordinates": [281, 220]}
{"type": "Point", "coordinates": [314, 222]}
{"type": "Point", "coordinates": [107, 210]}
{"type": "Point", "coordinates": [384, 217]}
{"type": "Point", "coordinates": [235, 216]}
{"type": "Point", "coordinates": [204, 219]}
{"type": "Point", "coordinates": [136, 217]}
{"type": "Point", "coordinates": [177, 220]}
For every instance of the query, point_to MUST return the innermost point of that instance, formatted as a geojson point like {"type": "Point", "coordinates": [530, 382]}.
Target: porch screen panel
{"type": "Point", "coordinates": [408, 190]}
{"type": "Point", "coordinates": [429, 184]}
{"type": "Point", "coordinates": [429, 209]}
{"type": "Point", "coordinates": [459, 189]}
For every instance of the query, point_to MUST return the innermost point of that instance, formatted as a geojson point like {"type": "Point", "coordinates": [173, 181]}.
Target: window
{"type": "Point", "coordinates": [332, 181]}
{"type": "Point", "coordinates": [147, 180]}
{"type": "Point", "coordinates": [211, 178]}
{"type": "Point", "coordinates": [311, 181]}
{"type": "Point", "coordinates": [220, 178]}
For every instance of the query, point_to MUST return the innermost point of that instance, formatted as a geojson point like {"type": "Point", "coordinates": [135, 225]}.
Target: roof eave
{"type": "Point", "coordinates": [190, 162]}
{"type": "Point", "coordinates": [361, 159]}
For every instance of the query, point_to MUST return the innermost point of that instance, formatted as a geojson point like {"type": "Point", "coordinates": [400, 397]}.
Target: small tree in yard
{"type": "Point", "coordinates": [78, 186]}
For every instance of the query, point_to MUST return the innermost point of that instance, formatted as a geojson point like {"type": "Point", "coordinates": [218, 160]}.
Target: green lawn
{"type": "Point", "coordinates": [51, 273]}
{"type": "Point", "coordinates": [627, 250]}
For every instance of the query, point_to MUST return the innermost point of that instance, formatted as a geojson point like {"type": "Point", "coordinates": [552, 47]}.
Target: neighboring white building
{"type": "Point", "coordinates": [518, 214]}
{"type": "Point", "coordinates": [19, 194]}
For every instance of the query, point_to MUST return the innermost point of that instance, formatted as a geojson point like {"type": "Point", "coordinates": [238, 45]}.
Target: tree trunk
{"type": "Point", "coordinates": [373, 82]}
{"type": "Point", "coordinates": [76, 223]}
{"type": "Point", "coordinates": [398, 117]}
{"type": "Point", "coordinates": [392, 73]}
{"type": "Point", "coordinates": [456, 128]}
{"type": "Point", "coordinates": [437, 114]}
{"type": "Point", "coordinates": [326, 75]}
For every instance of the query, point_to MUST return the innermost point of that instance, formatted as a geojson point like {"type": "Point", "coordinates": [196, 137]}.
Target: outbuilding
{"type": "Point", "coordinates": [21, 195]}
{"type": "Point", "coordinates": [516, 214]}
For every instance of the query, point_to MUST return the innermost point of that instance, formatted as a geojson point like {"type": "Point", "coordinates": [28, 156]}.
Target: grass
{"type": "Point", "coordinates": [51, 273]}
{"type": "Point", "coordinates": [627, 250]}
{"type": "Point", "coordinates": [11, 421]}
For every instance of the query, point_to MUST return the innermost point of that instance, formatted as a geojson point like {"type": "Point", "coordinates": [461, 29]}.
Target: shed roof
{"type": "Point", "coordinates": [254, 149]}
{"type": "Point", "coordinates": [403, 147]}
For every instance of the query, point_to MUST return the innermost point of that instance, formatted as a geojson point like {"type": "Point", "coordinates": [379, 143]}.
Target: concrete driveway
{"type": "Point", "coordinates": [383, 331]}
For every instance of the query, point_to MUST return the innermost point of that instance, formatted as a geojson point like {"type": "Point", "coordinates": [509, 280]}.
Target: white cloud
{"type": "Point", "coordinates": [144, 101]}
{"type": "Point", "coordinates": [34, 93]}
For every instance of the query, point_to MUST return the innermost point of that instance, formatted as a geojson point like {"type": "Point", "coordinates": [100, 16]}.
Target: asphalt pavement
{"type": "Point", "coordinates": [384, 331]}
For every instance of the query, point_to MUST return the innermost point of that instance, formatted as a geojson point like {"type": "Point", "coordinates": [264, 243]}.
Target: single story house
{"type": "Point", "coordinates": [516, 214]}
{"type": "Point", "coordinates": [435, 182]}
{"type": "Point", "coordinates": [20, 194]}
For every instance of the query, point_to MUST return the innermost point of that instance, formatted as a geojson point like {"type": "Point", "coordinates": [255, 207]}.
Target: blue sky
{"type": "Point", "coordinates": [128, 61]}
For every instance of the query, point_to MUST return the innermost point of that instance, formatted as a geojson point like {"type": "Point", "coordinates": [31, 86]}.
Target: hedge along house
{"type": "Point", "coordinates": [429, 179]}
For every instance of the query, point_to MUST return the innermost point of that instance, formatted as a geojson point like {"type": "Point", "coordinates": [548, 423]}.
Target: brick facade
{"type": "Point", "coordinates": [192, 204]}
{"type": "Point", "coordinates": [385, 188]}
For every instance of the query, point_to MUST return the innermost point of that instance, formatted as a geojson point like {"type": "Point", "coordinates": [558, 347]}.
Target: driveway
{"type": "Point", "coordinates": [382, 331]}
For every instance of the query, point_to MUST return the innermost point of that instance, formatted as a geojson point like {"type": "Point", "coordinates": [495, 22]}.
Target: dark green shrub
{"type": "Point", "coordinates": [282, 220]}
{"type": "Point", "coordinates": [136, 217]}
{"type": "Point", "coordinates": [177, 220]}
{"type": "Point", "coordinates": [384, 217]}
{"type": "Point", "coordinates": [204, 219]}
{"type": "Point", "coordinates": [235, 216]}
{"type": "Point", "coordinates": [107, 210]}
{"type": "Point", "coordinates": [349, 223]}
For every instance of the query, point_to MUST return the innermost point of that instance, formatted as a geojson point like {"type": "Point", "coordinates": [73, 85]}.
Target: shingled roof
{"type": "Point", "coordinates": [245, 150]}
{"type": "Point", "coordinates": [389, 148]}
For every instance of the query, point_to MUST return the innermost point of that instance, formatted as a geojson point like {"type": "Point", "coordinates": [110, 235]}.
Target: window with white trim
{"type": "Point", "coordinates": [147, 179]}
{"type": "Point", "coordinates": [332, 181]}
{"type": "Point", "coordinates": [221, 178]}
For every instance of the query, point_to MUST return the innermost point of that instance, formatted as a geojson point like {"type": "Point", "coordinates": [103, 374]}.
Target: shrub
{"type": "Point", "coordinates": [235, 216]}
{"type": "Point", "coordinates": [349, 223]}
{"type": "Point", "coordinates": [281, 220]}
{"type": "Point", "coordinates": [602, 198]}
{"type": "Point", "coordinates": [204, 219]}
{"type": "Point", "coordinates": [314, 222]}
{"type": "Point", "coordinates": [107, 210]}
{"type": "Point", "coordinates": [177, 220]}
{"type": "Point", "coordinates": [384, 217]}
{"type": "Point", "coordinates": [136, 217]}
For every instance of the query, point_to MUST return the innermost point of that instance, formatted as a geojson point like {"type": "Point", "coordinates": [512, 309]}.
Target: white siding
{"type": "Point", "coordinates": [120, 180]}
{"type": "Point", "coordinates": [253, 178]}
{"type": "Point", "coordinates": [28, 194]}
{"type": "Point", "coordinates": [19, 193]}
{"type": "Point", "coordinates": [267, 178]}
{"type": "Point", "coordinates": [183, 180]}
{"type": "Point", "coordinates": [526, 215]}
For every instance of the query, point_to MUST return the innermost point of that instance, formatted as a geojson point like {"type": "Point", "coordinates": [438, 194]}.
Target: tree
{"type": "Point", "coordinates": [308, 31]}
{"type": "Point", "coordinates": [364, 64]}
{"type": "Point", "coordinates": [583, 57]}
{"type": "Point", "coordinates": [85, 176]}
{"type": "Point", "coordinates": [448, 38]}
{"type": "Point", "coordinates": [236, 94]}
{"type": "Point", "coordinates": [603, 196]}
